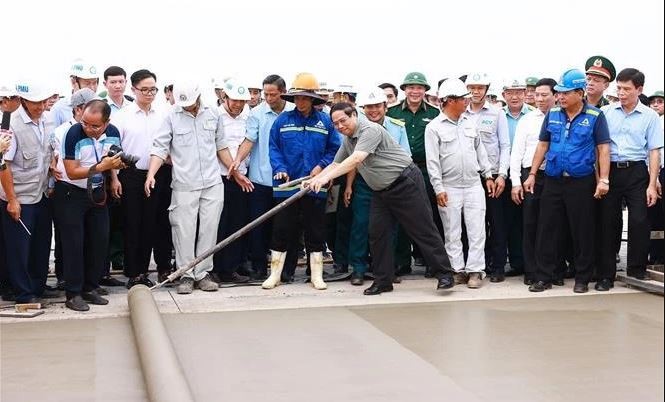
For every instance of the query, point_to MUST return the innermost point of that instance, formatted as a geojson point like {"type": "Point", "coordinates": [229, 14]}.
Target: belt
{"type": "Point", "coordinates": [400, 178]}
{"type": "Point", "coordinates": [626, 164]}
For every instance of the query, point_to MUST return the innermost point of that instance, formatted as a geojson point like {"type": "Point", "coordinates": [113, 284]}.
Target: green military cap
{"type": "Point", "coordinates": [657, 94]}
{"type": "Point", "coordinates": [531, 81]}
{"type": "Point", "coordinates": [599, 65]}
{"type": "Point", "coordinates": [415, 78]}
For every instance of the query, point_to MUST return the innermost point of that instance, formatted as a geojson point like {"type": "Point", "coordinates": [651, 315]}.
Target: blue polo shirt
{"type": "Point", "coordinates": [88, 151]}
{"type": "Point", "coordinates": [633, 134]}
{"type": "Point", "coordinates": [259, 123]}
{"type": "Point", "coordinates": [512, 121]}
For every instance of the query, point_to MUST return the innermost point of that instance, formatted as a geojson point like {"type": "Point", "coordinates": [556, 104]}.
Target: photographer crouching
{"type": "Point", "coordinates": [91, 152]}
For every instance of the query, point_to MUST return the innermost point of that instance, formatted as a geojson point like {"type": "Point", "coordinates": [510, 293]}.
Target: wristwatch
{"type": "Point", "coordinates": [605, 181]}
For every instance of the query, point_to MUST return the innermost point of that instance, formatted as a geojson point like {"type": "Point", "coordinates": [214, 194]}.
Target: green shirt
{"type": "Point", "coordinates": [415, 124]}
{"type": "Point", "coordinates": [602, 102]}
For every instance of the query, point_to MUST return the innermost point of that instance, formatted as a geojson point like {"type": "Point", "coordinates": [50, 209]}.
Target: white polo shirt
{"type": "Point", "coordinates": [235, 131]}
{"type": "Point", "coordinates": [137, 131]}
{"type": "Point", "coordinates": [524, 144]}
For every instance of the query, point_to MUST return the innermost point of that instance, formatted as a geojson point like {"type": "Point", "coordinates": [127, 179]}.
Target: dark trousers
{"type": "Point", "coordinates": [5, 284]}
{"type": "Point", "coordinates": [497, 231]}
{"type": "Point", "coordinates": [144, 229]}
{"type": "Point", "coordinates": [657, 222]}
{"type": "Point", "coordinates": [566, 199]}
{"type": "Point", "coordinates": [57, 240]}
{"type": "Point", "coordinates": [28, 256]}
{"type": "Point", "coordinates": [530, 212]}
{"type": "Point", "coordinates": [260, 201]}
{"type": "Point", "coordinates": [627, 184]}
{"type": "Point", "coordinates": [286, 229]}
{"type": "Point", "coordinates": [235, 215]}
{"type": "Point", "coordinates": [405, 202]}
{"type": "Point", "coordinates": [436, 218]}
{"type": "Point", "coordinates": [85, 248]}
{"type": "Point", "coordinates": [513, 230]}
{"type": "Point", "coordinates": [116, 253]}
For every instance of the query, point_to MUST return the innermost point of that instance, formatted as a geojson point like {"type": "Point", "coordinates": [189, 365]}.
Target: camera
{"type": "Point", "coordinates": [127, 159]}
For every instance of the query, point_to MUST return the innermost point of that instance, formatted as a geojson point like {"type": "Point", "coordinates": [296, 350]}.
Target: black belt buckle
{"type": "Point", "coordinates": [623, 165]}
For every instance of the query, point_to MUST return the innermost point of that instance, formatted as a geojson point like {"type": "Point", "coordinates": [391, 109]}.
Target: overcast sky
{"type": "Point", "coordinates": [358, 42]}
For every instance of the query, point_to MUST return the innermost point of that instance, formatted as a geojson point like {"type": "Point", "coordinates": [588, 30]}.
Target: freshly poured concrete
{"type": "Point", "coordinates": [595, 348]}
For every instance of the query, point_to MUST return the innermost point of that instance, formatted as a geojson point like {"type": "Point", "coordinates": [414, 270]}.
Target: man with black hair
{"type": "Point", "coordinates": [81, 203]}
{"type": "Point", "coordinates": [636, 139]}
{"type": "Point", "coordinates": [399, 195]}
{"type": "Point", "coordinates": [391, 93]}
{"type": "Point", "coordinates": [523, 149]}
{"type": "Point", "coordinates": [146, 227]}
{"type": "Point", "coordinates": [115, 82]}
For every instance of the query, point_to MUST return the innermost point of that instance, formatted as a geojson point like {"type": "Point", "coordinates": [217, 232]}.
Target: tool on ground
{"type": "Point", "coordinates": [23, 310]}
{"type": "Point", "coordinates": [294, 182]}
{"type": "Point", "coordinates": [235, 236]}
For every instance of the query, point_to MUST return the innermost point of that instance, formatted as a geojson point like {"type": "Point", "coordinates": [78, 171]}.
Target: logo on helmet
{"type": "Point", "coordinates": [183, 98]}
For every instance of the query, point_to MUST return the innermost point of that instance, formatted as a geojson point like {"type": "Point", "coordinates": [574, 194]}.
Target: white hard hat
{"type": "Point", "coordinates": [612, 90]}
{"type": "Point", "coordinates": [236, 90]}
{"type": "Point", "coordinates": [186, 94]}
{"type": "Point", "coordinates": [453, 87]}
{"type": "Point", "coordinates": [218, 82]}
{"type": "Point", "coordinates": [515, 83]}
{"type": "Point", "coordinates": [345, 88]}
{"type": "Point", "coordinates": [33, 91]}
{"type": "Point", "coordinates": [477, 79]}
{"type": "Point", "coordinates": [84, 70]}
{"type": "Point", "coordinates": [255, 85]}
{"type": "Point", "coordinates": [372, 97]}
{"type": "Point", "coordinates": [7, 91]}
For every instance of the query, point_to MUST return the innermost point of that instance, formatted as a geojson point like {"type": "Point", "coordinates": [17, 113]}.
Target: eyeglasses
{"type": "Point", "coordinates": [93, 127]}
{"type": "Point", "coordinates": [147, 91]}
{"type": "Point", "coordinates": [340, 122]}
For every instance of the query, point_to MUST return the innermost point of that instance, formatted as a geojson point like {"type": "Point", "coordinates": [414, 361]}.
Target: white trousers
{"type": "Point", "coordinates": [185, 206]}
{"type": "Point", "coordinates": [470, 202]}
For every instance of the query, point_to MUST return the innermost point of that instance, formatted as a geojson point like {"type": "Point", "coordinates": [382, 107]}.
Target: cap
{"type": "Point", "coordinates": [657, 94]}
{"type": "Point", "coordinates": [599, 65]}
{"type": "Point", "coordinates": [185, 95]}
{"type": "Point", "coordinates": [82, 96]}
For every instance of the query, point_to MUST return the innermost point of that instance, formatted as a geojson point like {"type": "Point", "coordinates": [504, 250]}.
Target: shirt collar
{"type": "Point", "coordinates": [423, 105]}
{"type": "Point", "coordinates": [639, 108]}
{"type": "Point", "coordinates": [25, 118]}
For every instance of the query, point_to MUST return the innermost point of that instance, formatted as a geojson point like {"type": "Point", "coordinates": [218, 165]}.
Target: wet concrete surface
{"type": "Point", "coordinates": [597, 348]}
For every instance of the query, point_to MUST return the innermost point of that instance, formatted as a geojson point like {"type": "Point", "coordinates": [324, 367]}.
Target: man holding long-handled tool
{"type": "Point", "coordinates": [399, 195]}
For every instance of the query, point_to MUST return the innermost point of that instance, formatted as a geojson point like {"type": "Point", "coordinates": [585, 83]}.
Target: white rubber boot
{"type": "Point", "coordinates": [316, 263]}
{"type": "Point", "coordinates": [277, 259]}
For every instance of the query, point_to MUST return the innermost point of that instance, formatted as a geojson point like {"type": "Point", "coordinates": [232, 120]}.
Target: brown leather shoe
{"type": "Point", "coordinates": [475, 280]}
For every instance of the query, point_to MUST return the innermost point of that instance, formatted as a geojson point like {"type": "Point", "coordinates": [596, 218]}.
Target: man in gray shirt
{"type": "Point", "coordinates": [399, 195]}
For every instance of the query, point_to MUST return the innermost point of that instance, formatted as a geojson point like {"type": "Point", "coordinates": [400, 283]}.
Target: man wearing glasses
{"type": "Point", "coordinates": [146, 226]}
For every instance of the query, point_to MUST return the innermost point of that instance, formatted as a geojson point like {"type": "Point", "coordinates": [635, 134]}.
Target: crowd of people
{"type": "Point", "coordinates": [467, 177]}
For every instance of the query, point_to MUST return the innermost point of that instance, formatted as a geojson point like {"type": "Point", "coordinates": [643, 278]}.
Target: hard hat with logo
{"type": "Point", "coordinates": [478, 78]}
{"type": "Point", "coordinates": [657, 94]}
{"type": "Point", "coordinates": [236, 90]}
{"type": "Point", "coordinates": [571, 80]}
{"type": "Point", "coordinates": [185, 94]}
{"type": "Point", "coordinates": [514, 83]}
{"type": "Point", "coordinates": [600, 65]}
{"type": "Point", "coordinates": [305, 84]}
{"type": "Point", "coordinates": [531, 81]}
{"type": "Point", "coordinates": [374, 96]}
{"type": "Point", "coordinates": [415, 78]}
{"type": "Point", "coordinates": [33, 91]}
{"type": "Point", "coordinates": [7, 91]}
{"type": "Point", "coordinates": [82, 69]}
{"type": "Point", "coordinates": [453, 87]}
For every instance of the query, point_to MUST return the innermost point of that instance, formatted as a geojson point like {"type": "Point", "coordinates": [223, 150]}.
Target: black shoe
{"type": "Point", "coordinates": [94, 298]}
{"type": "Point", "coordinates": [420, 261]}
{"type": "Point", "coordinates": [445, 282]}
{"type": "Point", "coordinates": [376, 289]}
{"type": "Point", "coordinates": [286, 278]}
{"type": "Point", "coordinates": [497, 278]}
{"type": "Point", "coordinates": [133, 282]}
{"type": "Point", "coordinates": [77, 303]}
{"type": "Point", "coordinates": [540, 286]}
{"type": "Point", "coordinates": [403, 270]}
{"type": "Point", "coordinates": [604, 285]}
{"type": "Point", "coordinates": [357, 279]}
{"type": "Point", "coordinates": [340, 268]}
{"type": "Point", "coordinates": [51, 294]}
{"type": "Point", "coordinates": [397, 279]}
{"type": "Point", "coordinates": [9, 296]}
{"type": "Point", "coordinates": [235, 278]}
{"type": "Point", "coordinates": [581, 287]}
{"type": "Point", "coordinates": [558, 282]}
{"type": "Point", "coordinates": [146, 281]}
{"type": "Point", "coordinates": [101, 291]}
{"type": "Point", "coordinates": [111, 281]}
{"type": "Point", "coordinates": [528, 281]}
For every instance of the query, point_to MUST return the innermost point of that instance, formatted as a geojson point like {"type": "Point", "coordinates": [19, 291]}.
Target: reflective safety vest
{"type": "Point", "coordinates": [572, 145]}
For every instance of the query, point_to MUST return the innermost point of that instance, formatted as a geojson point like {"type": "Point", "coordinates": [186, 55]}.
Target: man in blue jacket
{"type": "Point", "coordinates": [303, 142]}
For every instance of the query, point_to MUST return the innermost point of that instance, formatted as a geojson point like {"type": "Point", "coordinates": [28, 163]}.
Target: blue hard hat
{"type": "Point", "coordinates": [571, 80]}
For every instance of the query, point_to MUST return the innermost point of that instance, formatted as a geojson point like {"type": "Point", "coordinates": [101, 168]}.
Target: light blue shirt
{"type": "Point", "coordinates": [61, 112]}
{"type": "Point", "coordinates": [398, 132]}
{"type": "Point", "coordinates": [512, 121]}
{"type": "Point", "coordinates": [259, 123]}
{"type": "Point", "coordinates": [634, 134]}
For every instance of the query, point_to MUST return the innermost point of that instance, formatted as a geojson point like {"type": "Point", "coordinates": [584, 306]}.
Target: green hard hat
{"type": "Point", "coordinates": [415, 78]}
{"type": "Point", "coordinates": [531, 81]}
{"type": "Point", "coordinates": [657, 94]}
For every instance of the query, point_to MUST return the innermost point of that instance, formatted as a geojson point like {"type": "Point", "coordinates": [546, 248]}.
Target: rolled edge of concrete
{"type": "Point", "coordinates": [163, 375]}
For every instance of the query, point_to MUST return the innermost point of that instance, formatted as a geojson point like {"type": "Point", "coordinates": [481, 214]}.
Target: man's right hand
{"type": "Point", "coordinates": [282, 176]}
{"type": "Point", "coordinates": [149, 185]}
{"type": "Point", "coordinates": [14, 209]}
{"type": "Point", "coordinates": [348, 193]}
{"type": "Point", "coordinates": [529, 184]}
{"type": "Point", "coordinates": [233, 168]}
{"type": "Point", "coordinates": [108, 163]}
{"type": "Point", "coordinates": [442, 199]}
{"type": "Point", "coordinates": [517, 194]}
